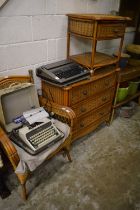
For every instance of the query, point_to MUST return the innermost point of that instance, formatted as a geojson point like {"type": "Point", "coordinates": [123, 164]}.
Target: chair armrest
{"type": "Point", "coordinates": [9, 148]}
{"type": "Point", "coordinates": [63, 113]}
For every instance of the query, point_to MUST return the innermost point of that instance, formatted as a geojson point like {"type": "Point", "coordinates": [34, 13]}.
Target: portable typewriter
{"type": "Point", "coordinates": [32, 130]}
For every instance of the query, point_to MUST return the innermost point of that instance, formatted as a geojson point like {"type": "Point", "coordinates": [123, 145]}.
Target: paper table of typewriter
{"type": "Point", "coordinates": [27, 123]}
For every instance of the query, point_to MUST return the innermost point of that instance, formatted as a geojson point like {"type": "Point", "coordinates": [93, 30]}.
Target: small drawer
{"type": "Point", "coordinates": [110, 30]}
{"type": "Point", "coordinates": [81, 27]}
{"type": "Point", "coordinates": [78, 94]}
{"type": "Point", "coordinates": [94, 115]}
{"type": "Point", "coordinates": [92, 103]}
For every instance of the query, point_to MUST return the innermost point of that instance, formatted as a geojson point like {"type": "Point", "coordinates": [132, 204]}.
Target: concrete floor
{"type": "Point", "coordinates": [104, 174]}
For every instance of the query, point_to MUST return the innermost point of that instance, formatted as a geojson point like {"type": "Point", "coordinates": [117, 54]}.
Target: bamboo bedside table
{"type": "Point", "coordinates": [95, 28]}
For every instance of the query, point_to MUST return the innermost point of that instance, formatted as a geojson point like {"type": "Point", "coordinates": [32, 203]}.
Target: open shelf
{"type": "Point", "coordinates": [129, 98]}
{"type": "Point", "coordinates": [100, 59]}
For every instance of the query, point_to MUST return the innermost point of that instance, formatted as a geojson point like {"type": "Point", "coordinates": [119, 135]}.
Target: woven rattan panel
{"type": "Point", "coordinates": [81, 27]}
{"type": "Point", "coordinates": [53, 93]}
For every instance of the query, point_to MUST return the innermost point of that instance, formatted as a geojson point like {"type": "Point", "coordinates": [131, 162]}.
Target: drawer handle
{"type": "Point", "coordinates": [101, 113]}
{"type": "Point", "coordinates": [83, 109]}
{"type": "Point", "coordinates": [104, 98]}
{"type": "Point", "coordinates": [85, 92]}
{"type": "Point", "coordinates": [81, 125]}
{"type": "Point", "coordinates": [115, 30]}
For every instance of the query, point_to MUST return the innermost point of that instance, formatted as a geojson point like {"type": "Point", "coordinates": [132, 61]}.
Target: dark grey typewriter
{"type": "Point", "coordinates": [63, 73]}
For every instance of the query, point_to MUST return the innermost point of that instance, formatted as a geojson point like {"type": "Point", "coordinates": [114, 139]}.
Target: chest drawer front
{"type": "Point", "coordinates": [76, 134]}
{"type": "Point", "coordinates": [88, 105]}
{"type": "Point", "coordinates": [86, 120]}
{"type": "Point", "coordinates": [78, 94]}
{"type": "Point", "coordinates": [81, 27]}
{"type": "Point", "coordinates": [109, 30]}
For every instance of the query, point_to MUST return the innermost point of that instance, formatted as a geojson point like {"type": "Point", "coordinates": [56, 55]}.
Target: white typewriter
{"type": "Point", "coordinates": [27, 123]}
{"type": "Point", "coordinates": [41, 136]}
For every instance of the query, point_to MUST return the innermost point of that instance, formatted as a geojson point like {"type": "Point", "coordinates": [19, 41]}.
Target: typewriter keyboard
{"type": "Point", "coordinates": [44, 135]}
{"type": "Point", "coordinates": [69, 72]}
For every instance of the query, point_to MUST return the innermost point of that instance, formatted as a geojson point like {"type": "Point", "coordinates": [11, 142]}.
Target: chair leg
{"type": "Point", "coordinates": [68, 155]}
{"type": "Point", "coordinates": [23, 178]}
{"type": "Point", "coordinates": [24, 192]}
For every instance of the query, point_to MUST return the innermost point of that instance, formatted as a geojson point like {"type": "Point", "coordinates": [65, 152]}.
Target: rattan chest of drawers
{"type": "Point", "coordinates": [90, 99]}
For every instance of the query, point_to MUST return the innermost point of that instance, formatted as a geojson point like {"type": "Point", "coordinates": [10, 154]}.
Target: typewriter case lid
{"type": "Point", "coordinates": [14, 101]}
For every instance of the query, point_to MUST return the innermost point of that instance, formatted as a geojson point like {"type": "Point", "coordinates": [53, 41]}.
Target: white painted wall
{"type": "Point", "coordinates": [33, 32]}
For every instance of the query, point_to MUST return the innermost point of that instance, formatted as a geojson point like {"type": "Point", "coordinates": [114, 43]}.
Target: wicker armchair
{"type": "Point", "coordinates": [63, 114]}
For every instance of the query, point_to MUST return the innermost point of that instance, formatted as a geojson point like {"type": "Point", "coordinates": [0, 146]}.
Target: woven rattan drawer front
{"type": "Point", "coordinates": [81, 27]}
{"type": "Point", "coordinates": [110, 30]}
{"type": "Point", "coordinates": [78, 94]}
{"type": "Point", "coordinates": [85, 121]}
{"type": "Point", "coordinates": [93, 102]}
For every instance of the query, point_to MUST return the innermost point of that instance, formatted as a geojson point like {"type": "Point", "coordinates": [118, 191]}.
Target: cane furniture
{"type": "Point", "coordinates": [95, 27]}
{"type": "Point", "coordinates": [63, 114]}
{"type": "Point", "coordinates": [91, 100]}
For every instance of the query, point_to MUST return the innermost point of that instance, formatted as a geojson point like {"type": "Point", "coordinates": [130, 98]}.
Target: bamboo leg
{"type": "Point", "coordinates": [108, 122]}
{"type": "Point", "coordinates": [112, 116]}
{"type": "Point", "coordinates": [68, 155]}
{"type": "Point", "coordinates": [24, 192]}
{"type": "Point", "coordinates": [23, 178]}
{"type": "Point", "coordinates": [115, 99]}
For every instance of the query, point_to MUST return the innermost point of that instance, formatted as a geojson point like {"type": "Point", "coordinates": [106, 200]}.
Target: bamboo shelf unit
{"type": "Point", "coordinates": [127, 74]}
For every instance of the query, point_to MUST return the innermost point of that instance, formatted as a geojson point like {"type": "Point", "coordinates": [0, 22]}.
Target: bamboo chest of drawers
{"type": "Point", "coordinates": [91, 100]}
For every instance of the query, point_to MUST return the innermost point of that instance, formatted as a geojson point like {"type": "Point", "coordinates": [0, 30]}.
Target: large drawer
{"type": "Point", "coordinates": [76, 134]}
{"type": "Point", "coordinates": [110, 30]}
{"type": "Point", "coordinates": [78, 94]}
{"type": "Point", "coordinates": [93, 102]}
{"type": "Point", "coordinates": [89, 118]}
